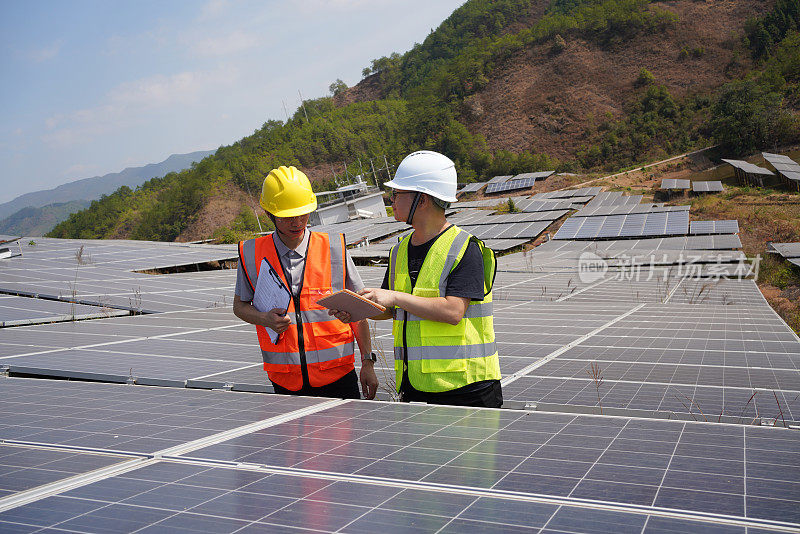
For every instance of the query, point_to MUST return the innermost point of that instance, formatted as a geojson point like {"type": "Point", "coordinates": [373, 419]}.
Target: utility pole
{"type": "Point", "coordinates": [303, 104]}
{"type": "Point", "coordinates": [284, 110]}
{"type": "Point", "coordinates": [360, 168]}
{"type": "Point", "coordinates": [261, 230]}
{"type": "Point", "coordinates": [374, 178]}
{"type": "Point", "coordinates": [333, 172]}
{"type": "Point", "coordinates": [387, 167]}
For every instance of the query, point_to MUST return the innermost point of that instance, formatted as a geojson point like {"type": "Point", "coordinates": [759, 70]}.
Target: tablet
{"type": "Point", "coordinates": [357, 306]}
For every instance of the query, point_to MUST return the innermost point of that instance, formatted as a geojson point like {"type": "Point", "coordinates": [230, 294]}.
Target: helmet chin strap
{"type": "Point", "coordinates": [413, 209]}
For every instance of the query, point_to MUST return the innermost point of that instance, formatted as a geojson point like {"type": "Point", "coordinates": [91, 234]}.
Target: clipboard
{"type": "Point", "coordinates": [270, 292]}
{"type": "Point", "coordinates": [357, 306]}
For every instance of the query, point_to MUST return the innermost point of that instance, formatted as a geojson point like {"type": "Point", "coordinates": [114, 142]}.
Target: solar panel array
{"type": "Point", "coordinates": [521, 230]}
{"type": "Point", "coordinates": [707, 187]}
{"type": "Point", "coordinates": [531, 205]}
{"type": "Point", "coordinates": [671, 328]}
{"type": "Point", "coordinates": [789, 251]}
{"type": "Point", "coordinates": [486, 202]}
{"type": "Point", "coordinates": [748, 168]}
{"type": "Point", "coordinates": [786, 167]}
{"type": "Point", "coordinates": [358, 229]}
{"type": "Point", "coordinates": [281, 464]}
{"type": "Point", "coordinates": [510, 185]}
{"type": "Point", "coordinates": [472, 217]}
{"type": "Point", "coordinates": [472, 187]}
{"type": "Point", "coordinates": [542, 175]}
{"type": "Point", "coordinates": [632, 225]}
{"type": "Point", "coordinates": [672, 183]}
{"type": "Point", "coordinates": [15, 311]}
{"type": "Point", "coordinates": [589, 211]}
{"type": "Point", "coordinates": [568, 193]}
{"type": "Point", "coordinates": [614, 198]}
{"type": "Point", "coordinates": [714, 227]}
{"type": "Point", "coordinates": [99, 274]}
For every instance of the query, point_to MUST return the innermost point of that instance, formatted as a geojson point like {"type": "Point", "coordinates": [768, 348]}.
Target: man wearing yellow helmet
{"type": "Point", "coordinates": [314, 353]}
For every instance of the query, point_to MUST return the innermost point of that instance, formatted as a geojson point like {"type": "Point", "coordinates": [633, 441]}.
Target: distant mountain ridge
{"type": "Point", "coordinates": [35, 222]}
{"type": "Point", "coordinates": [93, 188]}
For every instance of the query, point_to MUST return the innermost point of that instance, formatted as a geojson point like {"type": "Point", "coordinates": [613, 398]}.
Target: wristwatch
{"type": "Point", "coordinates": [372, 357]}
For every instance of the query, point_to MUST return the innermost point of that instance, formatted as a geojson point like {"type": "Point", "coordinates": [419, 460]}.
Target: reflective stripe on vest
{"type": "Point", "coordinates": [443, 357]}
{"type": "Point", "coordinates": [328, 343]}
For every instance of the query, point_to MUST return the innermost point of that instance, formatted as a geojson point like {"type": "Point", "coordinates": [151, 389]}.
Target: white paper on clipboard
{"type": "Point", "coordinates": [270, 293]}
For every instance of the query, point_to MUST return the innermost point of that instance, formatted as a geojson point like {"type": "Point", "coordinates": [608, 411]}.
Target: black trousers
{"type": "Point", "coordinates": [344, 388]}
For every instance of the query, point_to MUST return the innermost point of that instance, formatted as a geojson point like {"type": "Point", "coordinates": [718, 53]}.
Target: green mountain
{"type": "Point", "coordinates": [508, 86]}
{"type": "Point", "coordinates": [35, 222]}
{"type": "Point", "coordinates": [89, 189]}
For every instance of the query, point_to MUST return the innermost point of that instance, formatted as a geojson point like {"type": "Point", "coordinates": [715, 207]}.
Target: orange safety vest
{"type": "Point", "coordinates": [315, 342]}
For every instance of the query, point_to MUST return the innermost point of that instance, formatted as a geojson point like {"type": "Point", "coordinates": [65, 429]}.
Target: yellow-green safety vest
{"type": "Point", "coordinates": [442, 357]}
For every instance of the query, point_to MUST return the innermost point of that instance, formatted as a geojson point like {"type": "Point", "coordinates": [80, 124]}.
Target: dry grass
{"type": "Point", "coordinates": [764, 215]}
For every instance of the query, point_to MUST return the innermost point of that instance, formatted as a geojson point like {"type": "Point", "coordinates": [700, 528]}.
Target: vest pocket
{"type": "Point", "coordinates": [458, 365]}
{"type": "Point", "coordinates": [338, 362]}
{"type": "Point", "coordinates": [436, 334]}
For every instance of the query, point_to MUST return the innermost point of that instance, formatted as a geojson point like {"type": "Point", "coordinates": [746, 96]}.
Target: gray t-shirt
{"type": "Point", "coordinates": [293, 262]}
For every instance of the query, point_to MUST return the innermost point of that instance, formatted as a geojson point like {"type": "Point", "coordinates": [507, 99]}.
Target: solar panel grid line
{"type": "Point", "coordinates": [525, 370]}
{"type": "Point", "coordinates": [47, 490]}
{"type": "Point", "coordinates": [105, 344]}
{"type": "Point", "coordinates": [35, 494]}
{"type": "Point", "coordinates": [668, 384]}
{"type": "Point", "coordinates": [498, 499]}
{"type": "Point", "coordinates": [446, 486]}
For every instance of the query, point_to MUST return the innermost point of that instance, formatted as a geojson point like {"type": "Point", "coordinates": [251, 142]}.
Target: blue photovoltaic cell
{"type": "Point", "coordinates": [714, 227]}
{"type": "Point", "coordinates": [510, 185]}
{"type": "Point", "coordinates": [473, 187]}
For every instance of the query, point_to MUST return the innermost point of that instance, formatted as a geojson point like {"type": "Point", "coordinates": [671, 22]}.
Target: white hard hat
{"type": "Point", "coordinates": [427, 172]}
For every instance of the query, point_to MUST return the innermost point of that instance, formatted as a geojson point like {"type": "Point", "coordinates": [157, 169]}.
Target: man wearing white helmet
{"type": "Point", "coordinates": [437, 289]}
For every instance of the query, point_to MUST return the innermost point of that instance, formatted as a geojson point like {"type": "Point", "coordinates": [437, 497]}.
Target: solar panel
{"type": "Point", "coordinates": [787, 250]}
{"type": "Point", "coordinates": [500, 179]}
{"type": "Point", "coordinates": [534, 175]}
{"type": "Point", "coordinates": [748, 167]}
{"type": "Point", "coordinates": [544, 205]}
{"type": "Point", "coordinates": [714, 227]}
{"type": "Point", "coordinates": [589, 211]}
{"type": "Point", "coordinates": [527, 230]}
{"type": "Point", "coordinates": [668, 345]}
{"type": "Point", "coordinates": [484, 203]}
{"type": "Point", "coordinates": [510, 185]}
{"type": "Point", "coordinates": [672, 183]}
{"type": "Point", "coordinates": [384, 464]}
{"type": "Point", "coordinates": [781, 162]}
{"type": "Point", "coordinates": [472, 187]}
{"type": "Point", "coordinates": [633, 225]}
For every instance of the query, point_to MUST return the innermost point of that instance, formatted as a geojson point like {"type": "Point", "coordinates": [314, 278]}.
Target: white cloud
{"type": "Point", "coordinates": [316, 6]}
{"type": "Point", "coordinates": [236, 41]}
{"type": "Point", "coordinates": [135, 102]}
{"type": "Point", "coordinates": [214, 8]}
{"type": "Point", "coordinates": [43, 54]}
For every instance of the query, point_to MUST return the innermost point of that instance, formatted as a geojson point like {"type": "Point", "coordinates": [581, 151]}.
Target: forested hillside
{"type": "Point", "coordinates": [32, 221]}
{"type": "Point", "coordinates": [507, 86]}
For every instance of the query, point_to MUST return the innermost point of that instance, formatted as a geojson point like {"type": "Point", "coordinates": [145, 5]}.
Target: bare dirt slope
{"type": "Point", "coordinates": [552, 103]}
{"type": "Point", "coordinates": [220, 210]}
{"type": "Point", "coordinates": [549, 102]}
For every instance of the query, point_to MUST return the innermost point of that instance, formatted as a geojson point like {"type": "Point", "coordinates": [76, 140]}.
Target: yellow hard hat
{"type": "Point", "coordinates": [287, 193]}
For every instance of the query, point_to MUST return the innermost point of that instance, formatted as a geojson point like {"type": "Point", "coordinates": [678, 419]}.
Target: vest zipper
{"type": "Point", "coordinates": [301, 345]}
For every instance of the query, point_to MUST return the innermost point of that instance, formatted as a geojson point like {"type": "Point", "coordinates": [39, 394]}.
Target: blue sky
{"type": "Point", "coordinates": [92, 87]}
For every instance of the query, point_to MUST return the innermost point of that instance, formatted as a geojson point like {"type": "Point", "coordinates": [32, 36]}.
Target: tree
{"type": "Point", "coordinates": [747, 116]}
{"type": "Point", "coordinates": [337, 87]}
